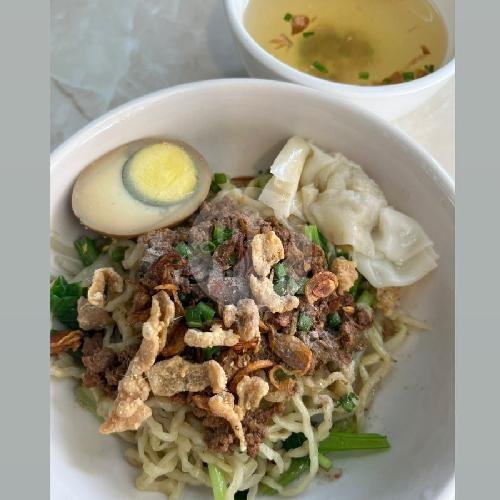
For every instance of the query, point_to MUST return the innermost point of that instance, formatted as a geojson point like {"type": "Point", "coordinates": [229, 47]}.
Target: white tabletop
{"type": "Point", "coordinates": [106, 53]}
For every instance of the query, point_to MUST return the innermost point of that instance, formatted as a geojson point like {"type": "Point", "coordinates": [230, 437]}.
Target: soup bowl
{"type": "Point", "coordinates": [388, 101]}
{"type": "Point", "coordinates": [239, 126]}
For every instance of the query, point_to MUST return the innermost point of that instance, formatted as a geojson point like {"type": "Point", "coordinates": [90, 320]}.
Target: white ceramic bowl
{"type": "Point", "coordinates": [239, 125]}
{"type": "Point", "coordinates": [388, 101]}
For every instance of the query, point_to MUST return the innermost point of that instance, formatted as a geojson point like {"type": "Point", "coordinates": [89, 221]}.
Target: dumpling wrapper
{"type": "Point", "coordinates": [381, 272]}
{"type": "Point", "coordinates": [279, 193]}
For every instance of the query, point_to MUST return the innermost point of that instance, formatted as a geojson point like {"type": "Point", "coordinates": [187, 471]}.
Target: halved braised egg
{"type": "Point", "coordinates": [140, 186]}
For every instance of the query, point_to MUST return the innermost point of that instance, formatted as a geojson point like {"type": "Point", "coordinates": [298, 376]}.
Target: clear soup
{"type": "Point", "coordinates": [361, 42]}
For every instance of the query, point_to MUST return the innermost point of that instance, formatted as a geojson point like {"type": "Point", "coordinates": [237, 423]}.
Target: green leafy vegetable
{"type": "Point", "coordinates": [297, 467]}
{"type": "Point", "coordinates": [211, 352]}
{"type": "Point", "coordinates": [294, 440]}
{"type": "Point", "coordinates": [304, 323]}
{"type": "Point", "coordinates": [218, 481]}
{"type": "Point", "coordinates": [86, 399]}
{"type": "Point", "coordinates": [348, 402]}
{"type": "Point", "coordinates": [184, 250]}
{"type": "Point", "coordinates": [324, 462]}
{"type": "Point", "coordinates": [118, 254]}
{"type": "Point", "coordinates": [363, 75]}
{"type": "Point", "coordinates": [87, 250]}
{"type": "Point", "coordinates": [333, 321]}
{"type": "Point", "coordinates": [317, 65]}
{"type": "Point", "coordinates": [345, 441]}
{"type": "Point", "coordinates": [63, 300]}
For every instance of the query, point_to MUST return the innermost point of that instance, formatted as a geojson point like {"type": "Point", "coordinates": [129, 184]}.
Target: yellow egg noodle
{"type": "Point", "coordinates": [169, 449]}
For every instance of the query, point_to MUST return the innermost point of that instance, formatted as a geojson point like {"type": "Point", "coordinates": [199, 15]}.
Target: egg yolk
{"type": "Point", "coordinates": [160, 174]}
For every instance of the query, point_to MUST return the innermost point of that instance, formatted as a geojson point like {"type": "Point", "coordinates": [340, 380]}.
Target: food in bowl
{"type": "Point", "coordinates": [239, 347]}
{"type": "Point", "coordinates": [375, 42]}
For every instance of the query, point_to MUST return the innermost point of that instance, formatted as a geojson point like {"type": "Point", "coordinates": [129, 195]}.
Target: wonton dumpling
{"type": "Point", "coordinates": [346, 217]}
{"type": "Point", "coordinates": [381, 272]}
{"type": "Point", "coordinates": [398, 236]}
{"type": "Point", "coordinates": [279, 193]}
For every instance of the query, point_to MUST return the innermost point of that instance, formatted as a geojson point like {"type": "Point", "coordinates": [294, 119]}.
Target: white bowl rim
{"type": "Point", "coordinates": [122, 112]}
{"type": "Point", "coordinates": [289, 73]}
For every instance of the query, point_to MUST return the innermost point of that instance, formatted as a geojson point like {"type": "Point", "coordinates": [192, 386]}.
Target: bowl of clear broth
{"type": "Point", "coordinates": [388, 56]}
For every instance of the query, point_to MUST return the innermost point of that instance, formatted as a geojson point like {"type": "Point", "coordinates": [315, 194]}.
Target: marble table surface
{"type": "Point", "coordinates": [106, 52]}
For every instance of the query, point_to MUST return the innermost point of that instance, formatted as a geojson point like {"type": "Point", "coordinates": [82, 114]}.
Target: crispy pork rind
{"type": "Point", "coordinates": [267, 250]}
{"type": "Point", "coordinates": [321, 285]}
{"type": "Point", "coordinates": [217, 376]}
{"type": "Point", "coordinates": [250, 392]}
{"type": "Point", "coordinates": [246, 316]}
{"type": "Point", "coordinates": [175, 375]}
{"type": "Point", "coordinates": [222, 405]}
{"type": "Point", "coordinates": [346, 273]}
{"type": "Point", "coordinates": [129, 410]}
{"type": "Point", "coordinates": [264, 294]}
{"type": "Point", "coordinates": [92, 317]}
{"type": "Point", "coordinates": [106, 282]}
{"type": "Point", "coordinates": [291, 350]}
{"type": "Point", "coordinates": [387, 299]}
{"type": "Point", "coordinates": [217, 336]}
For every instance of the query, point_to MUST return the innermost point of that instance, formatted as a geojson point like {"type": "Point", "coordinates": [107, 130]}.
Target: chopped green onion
{"type": "Point", "coordinates": [280, 270]}
{"type": "Point", "coordinates": [206, 312]}
{"type": "Point", "coordinates": [220, 178]}
{"type": "Point", "coordinates": [118, 254]}
{"type": "Point", "coordinates": [193, 317]}
{"type": "Point", "coordinates": [233, 258]}
{"type": "Point", "coordinates": [324, 461]}
{"type": "Point", "coordinates": [221, 234]}
{"type": "Point", "coordinates": [317, 65]}
{"type": "Point", "coordinates": [345, 441]}
{"type": "Point", "coordinates": [207, 247]}
{"type": "Point", "coordinates": [348, 402]}
{"type": "Point", "coordinates": [307, 34]}
{"type": "Point", "coordinates": [313, 233]}
{"type": "Point", "coordinates": [184, 250]}
{"type": "Point", "coordinates": [408, 76]}
{"type": "Point", "coordinates": [333, 321]}
{"type": "Point", "coordinates": [63, 301]}
{"type": "Point", "coordinates": [304, 323]}
{"type": "Point", "coordinates": [292, 286]}
{"type": "Point", "coordinates": [280, 374]}
{"type": "Point", "coordinates": [281, 287]}
{"type": "Point", "coordinates": [218, 481]}
{"type": "Point", "coordinates": [214, 187]}
{"type": "Point", "coordinates": [294, 440]}
{"type": "Point", "coordinates": [87, 250]}
{"type": "Point", "coordinates": [211, 352]}
{"type": "Point", "coordinates": [262, 179]}
{"type": "Point", "coordinates": [429, 68]}
{"type": "Point", "coordinates": [287, 16]}
{"type": "Point", "coordinates": [355, 289]}
{"type": "Point", "coordinates": [363, 75]}
{"type": "Point", "coordinates": [301, 285]}
{"type": "Point", "coordinates": [366, 298]}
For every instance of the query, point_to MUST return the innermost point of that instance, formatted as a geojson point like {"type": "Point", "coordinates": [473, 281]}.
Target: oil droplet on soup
{"type": "Point", "coordinates": [362, 42]}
